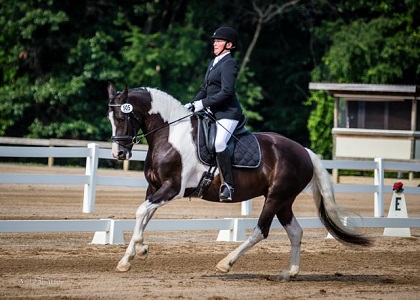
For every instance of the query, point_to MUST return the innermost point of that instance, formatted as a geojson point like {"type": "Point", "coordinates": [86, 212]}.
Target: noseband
{"type": "Point", "coordinates": [126, 140]}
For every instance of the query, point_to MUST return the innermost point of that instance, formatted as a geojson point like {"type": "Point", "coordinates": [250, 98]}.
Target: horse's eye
{"type": "Point", "coordinates": [120, 120]}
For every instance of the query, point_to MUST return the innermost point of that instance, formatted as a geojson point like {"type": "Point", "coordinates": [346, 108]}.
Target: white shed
{"type": "Point", "coordinates": [375, 120]}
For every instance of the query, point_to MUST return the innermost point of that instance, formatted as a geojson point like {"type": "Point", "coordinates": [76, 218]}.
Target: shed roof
{"type": "Point", "coordinates": [358, 91]}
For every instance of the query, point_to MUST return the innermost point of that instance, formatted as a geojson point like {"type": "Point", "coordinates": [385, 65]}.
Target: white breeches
{"type": "Point", "coordinates": [225, 128]}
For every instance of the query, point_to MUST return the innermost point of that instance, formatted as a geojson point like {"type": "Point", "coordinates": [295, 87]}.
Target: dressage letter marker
{"type": "Point", "coordinates": [398, 209]}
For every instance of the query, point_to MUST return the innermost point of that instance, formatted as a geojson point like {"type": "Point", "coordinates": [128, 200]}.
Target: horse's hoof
{"type": "Point", "coordinates": [223, 267]}
{"type": "Point", "coordinates": [143, 251]}
{"type": "Point", "coordinates": [123, 267]}
{"type": "Point", "coordinates": [284, 277]}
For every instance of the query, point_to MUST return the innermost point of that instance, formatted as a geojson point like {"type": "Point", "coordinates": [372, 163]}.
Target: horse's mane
{"type": "Point", "coordinates": [167, 106]}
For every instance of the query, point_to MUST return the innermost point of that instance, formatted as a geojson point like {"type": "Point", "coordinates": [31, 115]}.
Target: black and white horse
{"type": "Point", "coordinates": [173, 170]}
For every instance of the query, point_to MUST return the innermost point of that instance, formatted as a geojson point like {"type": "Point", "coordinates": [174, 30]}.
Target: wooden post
{"type": "Point", "coordinates": [51, 160]}
{"type": "Point", "coordinates": [126, 165]}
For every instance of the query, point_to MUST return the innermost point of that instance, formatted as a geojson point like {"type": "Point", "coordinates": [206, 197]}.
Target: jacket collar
{"type": "Point", "coordinates": [218, 63]}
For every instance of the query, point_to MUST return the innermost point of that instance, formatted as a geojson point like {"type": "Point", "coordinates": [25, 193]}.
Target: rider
{"type": "Point", "coordinates": [218, 94]}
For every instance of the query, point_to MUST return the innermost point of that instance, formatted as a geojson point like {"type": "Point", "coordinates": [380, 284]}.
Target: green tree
{"type": "Point", "coordinates": [379, 48]}
{"type": "Point", "coordinates": [51, 69]}
{"type": "Point", "coordinates": [376, 52]}
{"type": "Point", "coordinates": [57, 57]}
{"type": "Point", "coordinates": [162, 59]}
{"type": "Point", "coordinates": [320, 122]}
{"type": "Point", "coordinates": [26, 31]}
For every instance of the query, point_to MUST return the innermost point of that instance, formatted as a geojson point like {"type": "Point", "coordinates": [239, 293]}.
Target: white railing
{"type": "Point", "coordinates": [93, 153]}
{"type": "Point", "coordinates": [112, 229]}
{"type": "Point", "coordinates": [379, 166]}
{"type": "Point", "coordinates": [90, 180]}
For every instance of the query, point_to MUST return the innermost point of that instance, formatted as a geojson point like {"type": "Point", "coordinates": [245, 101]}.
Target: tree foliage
{"type": "Point", "coordinates": [56, 57]}
{"type": "Point", "coordinates": [320, 123]}
{"type": "Point", "coordinates": [379, 48]}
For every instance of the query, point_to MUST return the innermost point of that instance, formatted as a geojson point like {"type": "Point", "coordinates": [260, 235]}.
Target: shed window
{"type": "Point", "coordinates": [393, 115]}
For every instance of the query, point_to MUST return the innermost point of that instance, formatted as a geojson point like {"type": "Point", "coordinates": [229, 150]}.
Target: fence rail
{"type": "Point", "coordinates": [93, 153]}
{"type": "Point", "coordinates": [42, 145]}
{"type": "Point", "coordinates": [111, 230]}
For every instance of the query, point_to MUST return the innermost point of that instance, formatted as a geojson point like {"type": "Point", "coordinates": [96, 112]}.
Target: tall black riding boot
{"type": "Point", "coordinates": [225, 167]}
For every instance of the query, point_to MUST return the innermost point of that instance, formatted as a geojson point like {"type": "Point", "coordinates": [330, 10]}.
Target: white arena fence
{"type": "Point", "coordinates": [111, 231]}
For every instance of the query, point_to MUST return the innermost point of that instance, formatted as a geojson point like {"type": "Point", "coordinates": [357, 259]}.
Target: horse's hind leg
{"type": "Point", "coordinates": [260, 232]}
{"type": "Point", "coordinates": [225, 264]}
{"type": "Point", "coordinates": [294, 232]}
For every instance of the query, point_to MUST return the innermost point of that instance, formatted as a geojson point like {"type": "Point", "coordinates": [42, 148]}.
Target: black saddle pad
{"type": "Point", "coordinates": [243, 144]}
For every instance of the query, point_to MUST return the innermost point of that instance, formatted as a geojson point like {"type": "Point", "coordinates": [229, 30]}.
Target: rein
{"type": "Point", "coordinates": [161, 127]}
{"type": "Point", "coordinates": [135, 139]}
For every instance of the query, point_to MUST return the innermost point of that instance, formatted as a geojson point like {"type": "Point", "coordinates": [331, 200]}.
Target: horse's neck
{"type": "Point", "coordinates": [166, 106]}
{"type": "Point", "coordinates": [166, 110]}
{"type": "Point", "coordinates": [153, 127]}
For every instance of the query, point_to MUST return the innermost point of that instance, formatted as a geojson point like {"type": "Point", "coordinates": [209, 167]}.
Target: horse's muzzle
{"type": "Point", "coordinates": [124, 155]}
{"type": "Point", "coordinates": [121, 147]}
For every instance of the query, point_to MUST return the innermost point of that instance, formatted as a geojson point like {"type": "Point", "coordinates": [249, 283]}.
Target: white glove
{"type": "Point", "coordinates": [198, 105]}
{"type": "Point", "coordinates": [188, 105]}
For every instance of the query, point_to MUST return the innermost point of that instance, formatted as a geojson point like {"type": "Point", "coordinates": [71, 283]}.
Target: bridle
{"type": "Point", "coordinates": [128, 140]}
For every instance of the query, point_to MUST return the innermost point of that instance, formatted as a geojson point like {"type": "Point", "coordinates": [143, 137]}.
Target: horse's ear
{"type": "Point", "coordinates": [111, 90]}
{"type": "Point", "coordinates": [125, 92]}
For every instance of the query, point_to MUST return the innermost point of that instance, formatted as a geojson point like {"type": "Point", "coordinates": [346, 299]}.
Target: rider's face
{"type": "Point", "coordinates": [218, 46]}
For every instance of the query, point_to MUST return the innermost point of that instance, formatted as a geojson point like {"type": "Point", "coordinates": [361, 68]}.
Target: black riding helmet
{"type": "Point", "coordinates": [227, 34]}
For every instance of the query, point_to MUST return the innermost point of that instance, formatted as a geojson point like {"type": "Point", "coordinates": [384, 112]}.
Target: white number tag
{"type": "Point", "coordinates": [127, 108]}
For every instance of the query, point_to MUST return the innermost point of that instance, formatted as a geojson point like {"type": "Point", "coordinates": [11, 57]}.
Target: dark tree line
{"type": "Point", "coordinates": [56, 58]}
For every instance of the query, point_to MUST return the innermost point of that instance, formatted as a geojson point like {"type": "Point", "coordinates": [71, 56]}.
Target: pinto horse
{"type": "Point", "coordinates": [173, 171]}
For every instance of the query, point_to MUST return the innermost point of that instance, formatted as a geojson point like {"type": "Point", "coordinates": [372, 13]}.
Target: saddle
{"type": "Point", "coordinates": [243, 146]}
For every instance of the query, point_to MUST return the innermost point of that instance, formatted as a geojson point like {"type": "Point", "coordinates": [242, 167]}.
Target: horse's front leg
{"type": "Point", "coordinates": [143, 215]}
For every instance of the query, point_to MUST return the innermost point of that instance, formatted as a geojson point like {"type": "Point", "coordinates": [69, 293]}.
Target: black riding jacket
{"type": "Point", "coordinates": [218, 90]}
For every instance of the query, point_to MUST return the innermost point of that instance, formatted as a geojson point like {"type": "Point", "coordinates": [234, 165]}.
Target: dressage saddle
{"type": "Point", "coordinates": [243, 147]}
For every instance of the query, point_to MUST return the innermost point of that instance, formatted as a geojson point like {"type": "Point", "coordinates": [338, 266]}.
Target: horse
{"type": "Point", "coordinates": [173, 171]}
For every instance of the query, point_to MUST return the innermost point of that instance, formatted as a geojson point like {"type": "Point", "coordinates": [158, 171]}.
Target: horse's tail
{"type": "Point", "coordinates": [331, 215]}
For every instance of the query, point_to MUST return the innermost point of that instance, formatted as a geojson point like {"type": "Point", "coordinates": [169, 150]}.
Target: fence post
{"type": "Point", "coordinates": [246, 207]}
{"type": "Point", "coordinates": [236, 234]}
{"type": "Point", "coordinates": [379, 182]}
{"type": "Point", "coordinates": [91, 171]}
{"type": "Point", "coordinates": [113, 236]}
{"type": "Point", "coordinates": [51, 159]}
{"type": "Point", "coordinates": [126, 165]}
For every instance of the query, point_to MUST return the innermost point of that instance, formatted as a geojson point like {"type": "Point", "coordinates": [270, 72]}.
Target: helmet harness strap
{"type": "Point", "coordinates": [224, 48]}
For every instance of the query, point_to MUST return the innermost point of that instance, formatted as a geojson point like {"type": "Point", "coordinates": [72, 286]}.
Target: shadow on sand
{"type": "Point", "coordinates": [337, 277]}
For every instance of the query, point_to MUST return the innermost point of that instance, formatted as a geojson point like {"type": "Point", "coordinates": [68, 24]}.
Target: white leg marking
{"type": "Point", "coordinates": [225, 264]}
{"type": "Point", "coordinates": [143, 215]}
{"type": "Point", "coordinates": [294, 232]}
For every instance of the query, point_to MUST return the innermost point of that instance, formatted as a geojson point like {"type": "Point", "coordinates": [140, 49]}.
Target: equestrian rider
{"type": "Point", "coordinates": [218, 94]}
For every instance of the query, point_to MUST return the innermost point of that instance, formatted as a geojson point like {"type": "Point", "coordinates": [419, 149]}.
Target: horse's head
{"type": "Point", "coordinates": [124, 123]}
{"type": "Point", "coordinates": [149, 109]}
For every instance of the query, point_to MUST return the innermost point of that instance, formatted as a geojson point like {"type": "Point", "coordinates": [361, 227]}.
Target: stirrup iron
{"type": "Point", "coordinates": [226, 192]}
